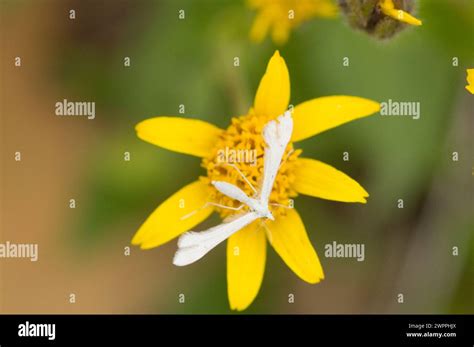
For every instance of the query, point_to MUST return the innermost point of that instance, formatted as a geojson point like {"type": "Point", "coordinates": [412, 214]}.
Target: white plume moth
{"type": "Point", "coordinates": [192, 245]}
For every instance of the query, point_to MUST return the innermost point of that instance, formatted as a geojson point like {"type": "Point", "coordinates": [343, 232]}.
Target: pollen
{"type": "Point", "coordinates": [245, 135]}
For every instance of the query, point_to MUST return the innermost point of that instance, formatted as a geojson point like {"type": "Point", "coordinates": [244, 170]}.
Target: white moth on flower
{"type": "Point", "coordinates": [192, 245]}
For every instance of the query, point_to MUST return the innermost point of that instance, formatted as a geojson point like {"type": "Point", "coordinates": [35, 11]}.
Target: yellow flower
{"type": "Point", "coordinates": [279, 17]}
{"type": "Point", "coordinates": [388, 8]}
{"type": "Point", "coordinates": [246, 249]}
{"type": "Point", "coordinates": [470, 80]}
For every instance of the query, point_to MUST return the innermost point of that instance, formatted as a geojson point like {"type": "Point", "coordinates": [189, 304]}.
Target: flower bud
{"type": "Point", "coordinates": [367, 15]}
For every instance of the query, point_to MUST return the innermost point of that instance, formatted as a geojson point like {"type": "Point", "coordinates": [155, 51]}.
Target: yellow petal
{"type": "Point", "coordinates": [166, 223]}
{"type": "Point", "coordinates": [246, 253]}
{"type": "Point", "coordinates": [260, 27]}
{"type": "Point", "coordinates": [326, 8]}
{"type": "Point", "coordinates": [288, 237]}
{"type": "Point", "coordinates": [470, 80]}
{"type": "Point", "coordinates": [388, 8]}
{"type": "Point", "coordinates": [317, 115]}
{"type": "Point", "coordinates": [183, 135]}
{"type": "Point", "coordinates": [273, 93]}
{"type": "Point", "coordinates": [321, 180]}
{"type": "Point", "coordinates": [280, 35]}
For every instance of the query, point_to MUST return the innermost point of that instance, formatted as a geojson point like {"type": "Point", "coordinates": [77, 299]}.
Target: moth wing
{"type": "Point", "coordinates": [277, 134]}
{"type": "Point", "coordinates": [232, 191]}
{"type": "Point", "coordinates": [192, 245]}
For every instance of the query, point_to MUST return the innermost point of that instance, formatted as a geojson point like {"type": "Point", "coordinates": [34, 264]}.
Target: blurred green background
{"type": "Point", "coordinates": [190, 62]}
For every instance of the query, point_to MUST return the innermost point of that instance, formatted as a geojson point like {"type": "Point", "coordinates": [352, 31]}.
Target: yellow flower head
{"type": "Point", "coordinates": [279, 17]}
{"type": "Point", "coordinates": [246, 249]}
{"type": "Point", "coordinates": [470, 80]}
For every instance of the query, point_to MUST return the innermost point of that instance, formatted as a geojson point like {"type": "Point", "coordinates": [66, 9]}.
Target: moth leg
{"type": "Point", "coordinates": [279, 205]}
{"type": "Point", "coordinates": [207, 204]}
{"type": "Point", "coordinates": [286, 158]}
{"type": "Point", "coordinates": [243, 176]}
{"type": "Point", "coordinates": [226, 207]}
